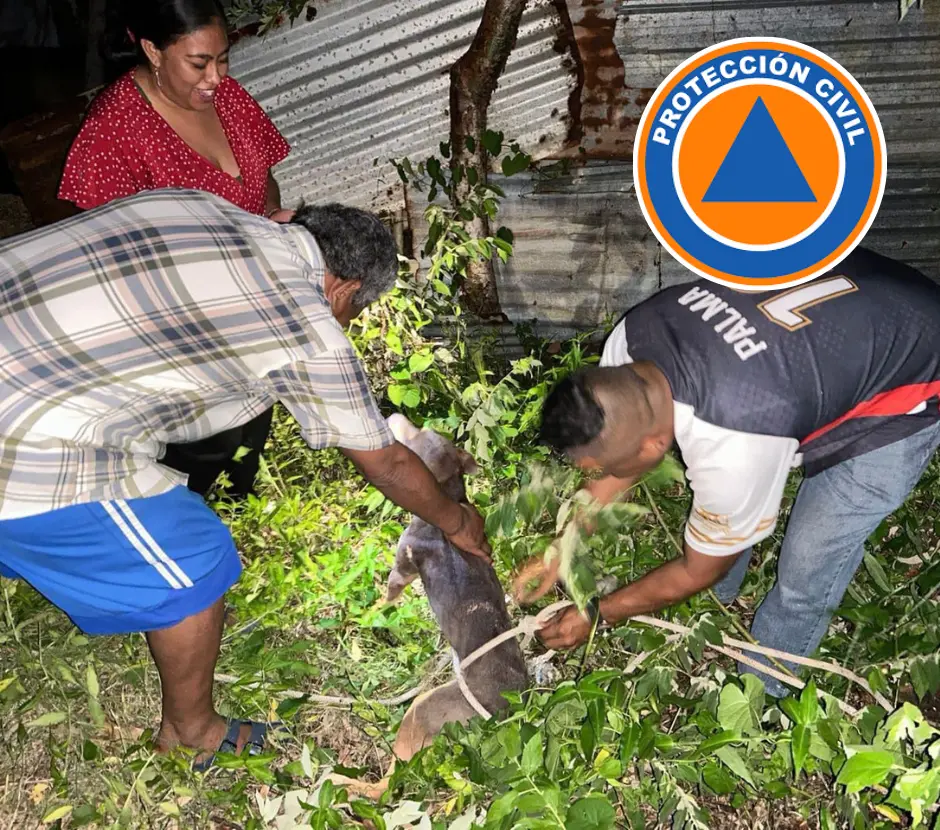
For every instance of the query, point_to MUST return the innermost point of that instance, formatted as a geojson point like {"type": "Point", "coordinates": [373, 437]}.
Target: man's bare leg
{"type": "Point", "coordinates": [185, 656]}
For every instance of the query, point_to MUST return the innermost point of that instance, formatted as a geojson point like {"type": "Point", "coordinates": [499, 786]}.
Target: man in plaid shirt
{"type": "Point", "coordinates": [167, 317]}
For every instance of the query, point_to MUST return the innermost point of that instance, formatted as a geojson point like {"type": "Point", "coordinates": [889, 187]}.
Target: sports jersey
{"type": "Point", "coordinates": [766, 381]}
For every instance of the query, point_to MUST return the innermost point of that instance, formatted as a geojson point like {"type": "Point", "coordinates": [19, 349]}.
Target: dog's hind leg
{"type": "Point", "coordinates": [356, 788]}
{"type": "Point", "coordinates": [424, 719]}
{"type": "Point", "coordinates": [427, 716]}
{"type": "Point", "coordinates": [403, 574]}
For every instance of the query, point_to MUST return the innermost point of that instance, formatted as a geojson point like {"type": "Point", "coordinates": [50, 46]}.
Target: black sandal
{"type": "Point", "coordinates": [254, 744]}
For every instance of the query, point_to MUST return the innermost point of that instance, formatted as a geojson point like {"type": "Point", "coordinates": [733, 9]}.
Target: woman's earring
{"type": "Point", "coordinates": [156, 75]}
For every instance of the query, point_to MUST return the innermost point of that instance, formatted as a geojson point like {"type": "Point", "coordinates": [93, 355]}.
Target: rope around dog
{"type": "Point", "coordinates": [531, 624]}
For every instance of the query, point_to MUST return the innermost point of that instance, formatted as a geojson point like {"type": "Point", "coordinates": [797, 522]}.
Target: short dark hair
{"type": "Point", "coordinates": [356, 245]}
{"type": "Point", "coordinates": [162, 22]}
{"type": "Point", "coordinates": [571, 415]}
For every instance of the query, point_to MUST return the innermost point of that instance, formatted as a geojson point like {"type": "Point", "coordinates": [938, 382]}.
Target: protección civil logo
{"type": "Point", "coordinates": [760, 163]}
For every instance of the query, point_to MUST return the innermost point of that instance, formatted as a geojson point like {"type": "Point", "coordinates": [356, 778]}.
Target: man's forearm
{"type": "Point", "coordinates": [664, 586]}
{"type": "Point", "coordinates": [407, 482]}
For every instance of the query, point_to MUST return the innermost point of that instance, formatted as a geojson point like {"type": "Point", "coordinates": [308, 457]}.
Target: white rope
{"type": "Point", "coordinates": [530, 625]}
{"type": "Point", "coordinates": [470, 696]}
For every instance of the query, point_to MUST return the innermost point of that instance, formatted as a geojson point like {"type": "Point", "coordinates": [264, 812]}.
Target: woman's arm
{"type": "Point", "coordinates": [272, 200]}
{"type": "Point", "coordinates": [272, 208]}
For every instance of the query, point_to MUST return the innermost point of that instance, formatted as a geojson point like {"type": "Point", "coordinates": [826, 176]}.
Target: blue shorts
{"type": "Point", "coordinates": [117, 567]}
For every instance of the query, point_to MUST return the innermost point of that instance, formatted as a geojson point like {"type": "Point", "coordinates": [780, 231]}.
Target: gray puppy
{"type": "Point", "coordinates": [467, 600]}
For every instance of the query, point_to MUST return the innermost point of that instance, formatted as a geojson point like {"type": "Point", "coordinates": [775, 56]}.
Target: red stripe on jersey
{"type": "Point", "coordinates": [894, 402]}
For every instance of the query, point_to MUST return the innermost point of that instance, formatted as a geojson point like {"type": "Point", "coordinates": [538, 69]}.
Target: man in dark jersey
{"type": "Point", "coordinates": [840, 375]}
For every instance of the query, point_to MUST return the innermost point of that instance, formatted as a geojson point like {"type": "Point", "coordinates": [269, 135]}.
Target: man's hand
{"type": "Point", "coordinates": [566, 629]}
{"type": "Point", "coordinates": [609, 488]}
{"type": "Point", "coordinates": [404, 479]}
{"type": "Point", "coordinates": [470, 536]}
{"type": "Point", "coordinates": [603, 490]}
{"type": "Point", "coordinates": [662, 587]}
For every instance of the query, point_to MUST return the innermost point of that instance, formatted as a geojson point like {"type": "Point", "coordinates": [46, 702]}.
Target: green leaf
{"type": "Point", "coordinates": [412, 397]}
{"type": "Point", "coordinates": [91, 681]}
{"type": "Point", "coordinates": [809, 704]}
{"type": "Point", "coordinates": [591, 813]}
{"type": "Point", "coordinates": [800, 747]}
{"type": "Point", "coordinates": [629, 742]}
{"type": "Point", "coordinates": [393, 341]}
{"type": "Point", "coordinates": [733, 760]}
{"type": "Point", "coordinates": [500, 809]}
{"type": "Point", "coordinates": [96, 712]}
{"type": "Point", "coordinates": [420, 361]}
{"type": "Point", "coordinates": [48, 719]}
{"type": "Point", "coordinates": [818, 748]}
{"type": "Point", "coordinates": [505, 233]}
{"type": "Point", "coordinates": [920, 679]}
{"type": "Point", "coordinates": [735, 710]}
{"type": "Point", "coordinates": [718, 779]}
{"type": "Point", "coordinates": [532, 755]}
{"type": "Point", "coordinates": [754, 690]}
{"type": "Point", "coordinates": [865, 769]}
{"type": "Point", "coordinates": [170, 808]}
{"type": "Point", "coordinates": [492, 142]}
{"type": "Point", "coordinates": [396, 393]}
{"type": "Point", "coordinates": [588, 739]}
{"type": "Point", "coordinates": [57, 813]}
{"type": "Point", "coordinates": [877, 573]}
{"type": "Point", "coordinates": [715, 741]}
{"type": "Point", "coordinates": [515, 164]}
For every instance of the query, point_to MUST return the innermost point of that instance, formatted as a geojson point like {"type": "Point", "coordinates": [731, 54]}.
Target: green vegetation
{"type": "Point", "coordinates": [673, 738]}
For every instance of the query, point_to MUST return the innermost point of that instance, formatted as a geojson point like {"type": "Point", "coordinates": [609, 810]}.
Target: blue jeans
{"type": "Point", "coordinates": [834, 514]}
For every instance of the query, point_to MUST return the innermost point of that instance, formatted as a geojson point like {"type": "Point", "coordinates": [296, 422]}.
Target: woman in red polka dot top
{"type": "Point", "coordinates": [178, 119]}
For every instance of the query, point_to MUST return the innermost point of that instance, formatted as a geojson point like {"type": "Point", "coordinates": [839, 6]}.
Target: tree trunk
{"type": "Point", "coordinates": [473, 80]}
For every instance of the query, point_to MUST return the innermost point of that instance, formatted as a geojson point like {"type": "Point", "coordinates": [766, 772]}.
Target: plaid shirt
{"type": "Point", "coordinates": [162, 318]}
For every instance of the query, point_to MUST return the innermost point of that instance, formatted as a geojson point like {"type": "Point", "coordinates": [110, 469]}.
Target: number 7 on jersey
{"type": "Point", "coordinates": [786, 309]}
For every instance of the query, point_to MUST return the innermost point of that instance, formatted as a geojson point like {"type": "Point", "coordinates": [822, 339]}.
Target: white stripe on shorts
{"type": "Point", "coordinates": [139, 546]}
{"type": "Point", "coordinates": [160, 553]}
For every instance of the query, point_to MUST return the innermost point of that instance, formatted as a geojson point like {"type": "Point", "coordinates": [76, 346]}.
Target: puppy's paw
{"type": "Point", "coordinates": [357, 788]}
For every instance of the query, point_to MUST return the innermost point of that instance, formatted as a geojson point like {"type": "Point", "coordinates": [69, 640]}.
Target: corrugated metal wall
{"type": "Point", "coordinates": [368, 80]}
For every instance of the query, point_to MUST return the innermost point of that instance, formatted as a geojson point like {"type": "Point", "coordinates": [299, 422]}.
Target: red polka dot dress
{"type": "Point", "coordinates": [125, 146]}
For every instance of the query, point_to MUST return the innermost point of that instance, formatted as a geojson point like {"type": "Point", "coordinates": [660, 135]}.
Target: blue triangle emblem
{"type": "Point", "coordinates": [759, 167]}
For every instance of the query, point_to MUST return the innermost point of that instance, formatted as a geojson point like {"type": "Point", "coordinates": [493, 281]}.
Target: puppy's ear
{"type": "Point", "coordinates": [402, 428]}
{"type": "Point", "coordinates": [467, 462]}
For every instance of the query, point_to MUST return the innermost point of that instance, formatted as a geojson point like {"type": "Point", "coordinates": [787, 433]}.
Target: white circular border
{"type": "Point", "coordinates": [770, 246]}
{"type": "Point", "coordinates": [650, 111]}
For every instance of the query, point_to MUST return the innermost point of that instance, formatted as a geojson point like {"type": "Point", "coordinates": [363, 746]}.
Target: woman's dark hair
{"type": "Point", "coordinates": [162, 22]}
{"type": "Point", "coordinates": [356, 245]}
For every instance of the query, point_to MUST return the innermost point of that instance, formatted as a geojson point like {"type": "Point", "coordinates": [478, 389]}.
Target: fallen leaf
{"type": "Point", "coordinates": [38, 792]}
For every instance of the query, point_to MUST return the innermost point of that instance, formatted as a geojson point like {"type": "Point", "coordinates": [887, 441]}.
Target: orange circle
{"type": "Point", "coordinates": [709, 137]}
{"type": "Point", "coordinates": [793, 50]}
